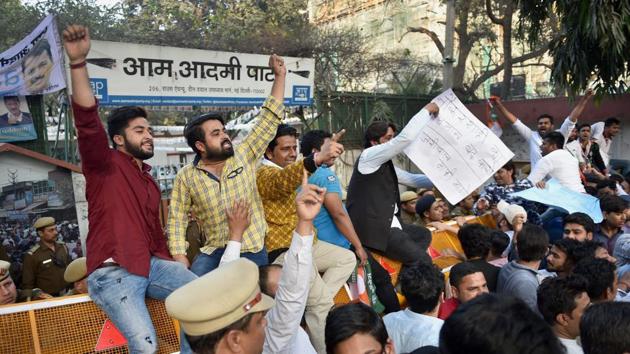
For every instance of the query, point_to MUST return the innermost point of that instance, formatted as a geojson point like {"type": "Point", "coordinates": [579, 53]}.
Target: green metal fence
{"type": "Point", "coordinates": [355, 111]}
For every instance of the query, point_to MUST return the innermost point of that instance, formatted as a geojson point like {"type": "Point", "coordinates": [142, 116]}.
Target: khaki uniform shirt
{"type": "Point", "coordinates": [408, 218]}
{"type": "Point", "coordinates": [44, 269]}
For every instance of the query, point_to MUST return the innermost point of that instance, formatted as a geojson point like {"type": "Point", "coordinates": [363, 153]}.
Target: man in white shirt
{"type": "Point", "coordinates": [556, 163]}
{"type": "Point", "coordinates": [373, 200]}
{"type": "Point", "coordinates": [561, 302]}
{"type": "Point", "coordinates": [230, 314]}
{"type": "Point", "coordinates": [603, 133]}
{"type": "Point", "coordinates": [545, 125]}
{"type": "Point", "coordinates": [418, 325]}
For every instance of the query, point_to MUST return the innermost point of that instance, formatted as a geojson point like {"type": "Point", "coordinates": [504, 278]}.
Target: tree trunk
{"type": "Point", "coordinates": [507, 51]}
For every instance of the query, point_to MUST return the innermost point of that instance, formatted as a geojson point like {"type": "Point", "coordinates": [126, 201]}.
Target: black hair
{"type": "Point", "coordinates": [313, 139]}
{"type": "Point", "coordinates": [376, 130]}
{"type": "Point", "coordinates": [499, 241]}
{"type": "Point", "coordinates": [580, 219]}
{"type": "Point", "coordinates": [568, 246]}
{"type": "Point", "coordinates": [545, 116]}
{"type": "Point", "coordinates": [611, 121]}
{"type": "Point", "coordinates": [555, 138]}
{"type": "Point", "coordinates": [583, 125]}
{"type": "Point", "coordinates": [586, 249]}
{"type": "Point", "coordinates": [346, 321]}
{"type": "Point", "coordinates": [283, 130]}
{"type": "Point", "coordinates": [193, 131]}
{"type": "Point", "coordinates": [509, 166]}
{"type": "Point", "coordinates": [493, 324]}
{"type": "Point", "coordinates": [613, 204]}
{"type": "Point", "coordinates": [604, 328]}
{"type": "Point", "coordinates": [422, 285]}
{"type": "Point", "coordinates": [460, 270]}
{"type": "Point", "coordinates": [475, 239]}
{"type": "Point", "coordinates": [118, 120]}
{"type": "Point", "coordinates": [557, 296]}
{"type": "Point", "coordinates": [206, 343]}
{"type": "Point", "coordinates": [42, 46]}
{"type": "Point", "coordinates": [6, 98]}
{"type": "Point", "coordinates": [607, 183]}
{"type": "Point", "coordinates": [263, 277]}
{"type": "Point", "coordinates": [600, 275]}
{"type": "Point", "coordinates": [532, 243]}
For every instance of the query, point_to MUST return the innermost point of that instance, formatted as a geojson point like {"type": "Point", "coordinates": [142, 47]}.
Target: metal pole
{"type": "Point", "coordinates": [447, 76]}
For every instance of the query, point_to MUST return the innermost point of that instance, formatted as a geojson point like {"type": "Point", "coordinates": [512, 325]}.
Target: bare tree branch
{"type": "Point", "coordinates": [488, 74]}
{"type": "Point", "coordinates": [493, 18]}
{"type": "Point", "coordinates": [434, 37]}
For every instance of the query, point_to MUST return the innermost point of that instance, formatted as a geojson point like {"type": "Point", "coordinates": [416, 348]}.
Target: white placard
{"type": "Point", "coordinates": [138, 74]}
{"type": "Point", "coordinates": [456, 151]}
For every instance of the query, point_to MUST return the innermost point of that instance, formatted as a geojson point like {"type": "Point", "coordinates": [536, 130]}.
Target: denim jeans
{"type": "Point", "coordinates": [204, 263]}
{"type": "Point", "coordinates": [121, 295]}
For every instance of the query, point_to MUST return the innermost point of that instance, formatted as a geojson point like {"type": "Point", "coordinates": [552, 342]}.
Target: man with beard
{"type": "Point", "coordinates": [544, 126]}
{"type": "Point", "coordinates": [128, 258]}
{"type": "Point", "coordinates": [219, 176]}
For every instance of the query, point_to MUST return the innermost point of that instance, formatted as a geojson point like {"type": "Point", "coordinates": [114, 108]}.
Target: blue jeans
{"type": "Point", "coordinates": [121, 295]}
{"type": "Point", "coordinates": [204, 263]}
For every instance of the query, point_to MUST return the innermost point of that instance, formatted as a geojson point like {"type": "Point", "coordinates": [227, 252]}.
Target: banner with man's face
{"type": "Point", "coordinates": [16, 122]}
{"type": "Point", "coordinates": [34, 66]}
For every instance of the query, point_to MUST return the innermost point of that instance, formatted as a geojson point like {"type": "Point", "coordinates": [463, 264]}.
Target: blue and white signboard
{"type": "Point", "coordinates": [136, 74]}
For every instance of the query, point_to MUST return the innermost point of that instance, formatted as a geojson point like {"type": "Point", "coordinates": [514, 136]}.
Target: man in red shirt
{"type": "Point", "coordinates": [467, 282]}
{"type": "Point", "coordinates": [127, 256]}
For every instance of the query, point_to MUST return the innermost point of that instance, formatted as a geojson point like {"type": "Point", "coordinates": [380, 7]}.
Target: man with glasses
{"type": "Point", "coordinates": [45, 263]}
{"type": "Point", "coordinates": [220, 175]}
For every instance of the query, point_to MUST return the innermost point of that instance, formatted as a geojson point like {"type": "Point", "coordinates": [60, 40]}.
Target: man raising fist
{"type": "Point", "coordinates": [127, 254]}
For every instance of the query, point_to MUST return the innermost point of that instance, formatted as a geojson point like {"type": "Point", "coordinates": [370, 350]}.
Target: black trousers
{"type": "Point", "coordinates": [409, 245]}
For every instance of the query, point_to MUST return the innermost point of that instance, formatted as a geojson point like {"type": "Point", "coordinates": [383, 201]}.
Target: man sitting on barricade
{"type": "Point", "coordinates": [127, 254]}
{"type": "Point", "coordinates": [373, 200]}
{"type": "Point", "coordinates": [218, 176]}
{"type": "Point", "coordinates": [278, 180]}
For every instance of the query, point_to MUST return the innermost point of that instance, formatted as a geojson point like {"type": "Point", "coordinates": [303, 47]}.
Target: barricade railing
{"type": "Point", "coordinates": [74, 324]}
{"type": "Point", "coordinates": [445, 243]}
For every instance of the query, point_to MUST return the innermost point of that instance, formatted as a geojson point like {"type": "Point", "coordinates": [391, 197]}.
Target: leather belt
{"type": "Point", "coordinates": [108, 264]}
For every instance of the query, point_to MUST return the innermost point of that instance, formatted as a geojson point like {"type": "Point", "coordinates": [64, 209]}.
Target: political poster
{"type": "Point", "coordinates": [137, 74]}
{"type": "Point", "coordinates": [34, 66]}
{"type": "Point", "coordinates": [16, 123]}
{"type": "Point", "coordinates": [456, 151]}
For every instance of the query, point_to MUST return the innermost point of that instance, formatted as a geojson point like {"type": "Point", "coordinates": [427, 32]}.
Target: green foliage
{"type": "Point", "coordinates": [593, 48]}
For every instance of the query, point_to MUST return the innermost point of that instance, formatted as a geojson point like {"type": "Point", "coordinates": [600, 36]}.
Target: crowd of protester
{"type": "Point", "coordinates": [278, 242]}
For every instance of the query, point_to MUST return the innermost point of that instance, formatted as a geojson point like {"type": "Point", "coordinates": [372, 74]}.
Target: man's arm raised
{"type": "Point", "coordinates": [77, 45]}
{"type": "Point", "coordinates": [521, 128]}
{"type": "Point", "coordinates": [91, 136]}
{"type": "Point", "coordinates": [270, 116]}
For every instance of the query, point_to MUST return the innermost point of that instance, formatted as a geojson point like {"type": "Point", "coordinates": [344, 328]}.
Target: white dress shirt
{"type": "Point", "coordinates": [410, 330]}
{"type": "Point", "coordinates": [597, 134]}
{"type": "Point", "coordinates": [562, 166]}
{"type": "Point", "coordinates": [373, 157]}
{"type": "Point", "coordinates": [572, 346]}
{"type": "Point", "coordinates": [535, 140]}
{"type": "Point", "coordinates": [283, 334]}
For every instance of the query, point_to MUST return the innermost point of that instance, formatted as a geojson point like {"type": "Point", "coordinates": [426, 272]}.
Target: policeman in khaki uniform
{"type": "Point", "coordinates": [8, 292]}
{"type": "Point", "coordinates": [76, 274]}
{"type": "Point", "coordinates": [45, 263]}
